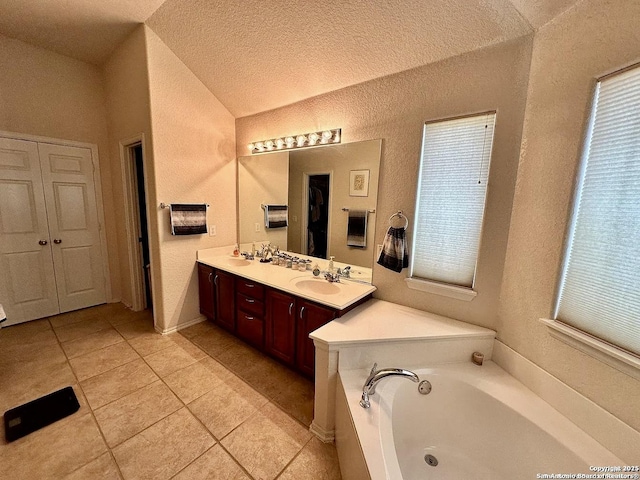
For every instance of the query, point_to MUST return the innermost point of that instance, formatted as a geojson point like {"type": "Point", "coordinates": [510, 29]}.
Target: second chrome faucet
{"type": "Point", "coordinates": [375, 376]}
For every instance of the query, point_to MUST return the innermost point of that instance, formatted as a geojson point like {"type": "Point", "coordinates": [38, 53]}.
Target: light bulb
{"type": "Point", "coordinates": [336, 139]}
{"type": "Point", "coordinates": [313, 138]}
{"type": "Point", "coordinates": [251, 147]}
{"type": "Point", "coordinates": [279, 143]}
{"type": "Point", "coordinates": [259, 146]}
{"type": "Point", "coordinates": [326, 135]}
{"type": "Point", "coordinates": [269, 144]}
{"type": "Point", "coordinates": [300, 139]}
{"type": "Point", "coordinates": [289, 141]}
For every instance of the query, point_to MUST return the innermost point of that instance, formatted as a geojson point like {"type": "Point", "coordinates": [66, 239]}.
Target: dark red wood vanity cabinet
{"type": "Point", "coordinates": [205, 288]}
{"type": "Point", "coordinates": [224, 288]}
{"type": "Point", "coordinates": [310, 317]}
{"type": "Point", "coordinates": [250, 307]}
{"type": "Point", "coordinates": [271, 320]}
{"type": "Point", "coordinates": [216, 291]}
{"type": "Point", "coordinates": [280, 332]}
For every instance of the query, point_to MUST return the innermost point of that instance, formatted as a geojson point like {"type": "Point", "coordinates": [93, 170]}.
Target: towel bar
{"type": "Point", "coordinates": [373, 210]}
{"type": "Point", "coordinates": [167, 205]}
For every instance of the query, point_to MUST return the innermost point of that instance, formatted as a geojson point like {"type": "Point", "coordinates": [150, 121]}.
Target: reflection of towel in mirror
{"type": "Point", "coordinates": [394, 254]}
{"type": "Point", "coordinates": [357, 228]}
{"type": "Point", "coordinates": [188, 219]}
{"type": "Point", "coordinates": [275, 216]}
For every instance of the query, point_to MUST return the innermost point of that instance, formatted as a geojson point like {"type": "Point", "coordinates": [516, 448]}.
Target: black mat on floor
{"type": "Point", "coordinates": [38, 413]}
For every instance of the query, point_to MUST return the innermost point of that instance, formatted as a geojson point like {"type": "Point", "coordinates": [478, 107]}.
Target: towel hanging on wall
{"type": "Point", "coordinates": [188, 218]}
{"type": "Point", "coordinates": [357, 228]}
{"type": "Point", "coordinates": [394, 255]}
{"type": "Point", "coordinates": [275, 216]}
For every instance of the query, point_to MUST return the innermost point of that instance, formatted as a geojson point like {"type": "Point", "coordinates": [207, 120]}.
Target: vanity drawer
{"type": "Point", "coordinates": [250, 289]}
{"type": "Point", "coordinates": [250, 305]}
{"type": "Point", "coordinates": [250, 328]}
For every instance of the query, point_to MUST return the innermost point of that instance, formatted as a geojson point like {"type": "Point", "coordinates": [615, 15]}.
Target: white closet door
{"type": "Point", "coordinates": [67, 175]}
{"type": "Point", "coordinates": [27, 282]}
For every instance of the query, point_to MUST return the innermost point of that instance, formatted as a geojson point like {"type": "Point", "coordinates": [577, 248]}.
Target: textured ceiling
{"type": "Point", "coordinates": [88, 30]}
{"type": "Point", "coordinates": [257, 55]}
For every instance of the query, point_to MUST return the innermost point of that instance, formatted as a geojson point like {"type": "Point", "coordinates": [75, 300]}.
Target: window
{"type": "Point", "coordinates": [452, 187]}
{"type": "Point", "coordinates": [600, 286]}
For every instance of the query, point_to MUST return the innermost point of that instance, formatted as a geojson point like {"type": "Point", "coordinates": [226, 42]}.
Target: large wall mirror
{"type": "Point", "coordinates": [321, 187]}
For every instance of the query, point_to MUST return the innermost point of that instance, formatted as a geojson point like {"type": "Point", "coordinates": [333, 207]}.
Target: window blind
{"type": "Point", "coordinates": [600, 288]}
{"type": "Point", "coordinates": [452, 186]}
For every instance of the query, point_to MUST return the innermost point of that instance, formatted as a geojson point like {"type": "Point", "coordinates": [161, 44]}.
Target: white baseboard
{"type": "Point", "coordinates": [181, 326]}
{"type": "Point", "coordinates": [326, 436]}
{"type": "Point", "coordinates": [611, 432]}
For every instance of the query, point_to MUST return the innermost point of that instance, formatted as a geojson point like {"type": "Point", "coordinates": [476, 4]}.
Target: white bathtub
{"type": "Point", "coordinates": [478, 422]}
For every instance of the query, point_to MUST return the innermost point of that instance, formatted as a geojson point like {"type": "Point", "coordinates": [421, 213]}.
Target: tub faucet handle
{"type": "Point", "coordinates": [373, 369]}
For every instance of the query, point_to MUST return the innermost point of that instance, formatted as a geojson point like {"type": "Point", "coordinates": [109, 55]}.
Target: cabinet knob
{"type": "Point", "coordinates": [57, 241]}
{"type": "Point", "coordinates": [248, 317]}
{"type": "Point", "coordinates": [210, 275]}
{"type": "Point", "coordinates": [249, 285]}
{"type": "Point", "coordinates": [42, 242]}
{"type": "Point", "coordinates": [301, 312]}
{"type": "Point", "coordinates": [250, 300]}
{"type": "Point", "coordinates": [215, 280]}
{"type": "Point", "coordinates": [291, 308]}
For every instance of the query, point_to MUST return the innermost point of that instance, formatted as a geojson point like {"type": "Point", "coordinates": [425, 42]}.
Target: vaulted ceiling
{"type": "Point", "coordinates": [256, 55]}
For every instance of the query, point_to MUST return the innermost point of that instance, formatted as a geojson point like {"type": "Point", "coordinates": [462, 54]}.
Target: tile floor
{"type": "Point", "coordinates": [198, 404]}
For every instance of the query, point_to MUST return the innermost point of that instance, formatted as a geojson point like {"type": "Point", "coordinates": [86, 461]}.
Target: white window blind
{"type": "Point", "coordinates": [450, 201]}
{"type": "Point", "coordinates": [600, 288]}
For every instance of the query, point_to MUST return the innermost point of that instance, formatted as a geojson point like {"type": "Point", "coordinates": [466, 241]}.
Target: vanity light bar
{"type": "Point", "coordinates": [324, 137]}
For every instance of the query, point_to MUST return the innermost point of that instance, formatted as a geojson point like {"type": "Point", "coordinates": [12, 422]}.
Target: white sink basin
{"type": "Point", "coordinates": [238, 262]}
{"type": "Point", "coordinates": [317, 285]}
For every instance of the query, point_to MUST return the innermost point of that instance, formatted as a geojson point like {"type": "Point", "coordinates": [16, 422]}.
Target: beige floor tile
{"type": "Point", "coordinates": [267, 442]}
{"type": "Point", "coordinates": [197, 379]}
{"type": "Point", "coordinates": [24, 333]}
{"type": "Point", "coordinates": [114, 384]}
{"type": "Point", "coordinates": [297, 399]}
{"type": "Point", "coordinates": [149, 343]}
{"type": "Point", "coordinates": [140, 325]}
{"type": "Point", "coordinates": [22, 383]}
{"type": "Point", "coordinates": [188, 346]}
{"type": "Point", "coordinates": [129, 415]}
{"type": "Point", "coordinates": [316, 461]}
{"type": "Point", "coordinates": [76, 316]}
{"type": "Point", "coordinates": [54, 451]}
{"type": "Point", "coordinates": [89, 343]}
{"type": "Point", "coordinates": [214, 341]}
{"type": "Point", "coordinates": [165, 448]}
{"type": "Point", "coordinates": [170, 360]}
{"type": "Point", "coordinates": [226, 406]}
{"type": "Point", "coordinates": [102, 468]}
{"type": "Point", "coordinates": [242, 359]}
{"type": "Point", "coordinates": [37, 352]}
{"type": "Point", "coordinates": [103, 360]}
{"type": "Point", "coordinates": [201, 328]}
{"type": "Point", "coordinates": [214, 464]}
{"type": "Point", "coordinates": [80, 329]}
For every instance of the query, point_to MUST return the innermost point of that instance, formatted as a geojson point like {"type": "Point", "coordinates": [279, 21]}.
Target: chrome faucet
{"type": "Point", "coordinates": [375, 376]}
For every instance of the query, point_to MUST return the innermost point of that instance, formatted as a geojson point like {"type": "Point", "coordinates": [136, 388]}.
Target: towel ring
{"type": "Point", "coordinates": [399, 214]}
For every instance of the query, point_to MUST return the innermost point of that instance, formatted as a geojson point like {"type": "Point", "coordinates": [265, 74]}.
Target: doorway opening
{"type": "Point", "coordinates": [137, 224]}
{"type": "Point", "coordinates": [318, 215]}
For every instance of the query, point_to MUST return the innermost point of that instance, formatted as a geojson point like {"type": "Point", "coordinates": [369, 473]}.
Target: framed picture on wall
{"type": "Point", "coordinates": [359, 183]}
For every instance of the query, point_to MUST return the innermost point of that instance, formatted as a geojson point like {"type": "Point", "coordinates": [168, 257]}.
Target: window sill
{"type": "Point", "coordinates": [452, 291]}
{"type": "Point", "coordinates": [612, 356]}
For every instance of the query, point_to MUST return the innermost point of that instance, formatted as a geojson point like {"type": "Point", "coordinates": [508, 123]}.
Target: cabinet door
{"type": "Point", "coordinates": [280, 326]}
{"type": "Point", "coordinates": [205, 287]}
{"type": "Point", "coordinates": [250, 328]}
{"type": "Point", "coordinates": [225, 300]}
{"type": "Point", "coordinates": [310, 317]}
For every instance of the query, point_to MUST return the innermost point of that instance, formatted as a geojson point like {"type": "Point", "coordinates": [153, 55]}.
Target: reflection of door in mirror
{"type": "Point", "coordinates": [318, 215]}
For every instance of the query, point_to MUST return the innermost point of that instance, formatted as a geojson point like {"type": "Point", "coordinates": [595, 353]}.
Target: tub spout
{"type": "Point", "coordinates": [375, 376]}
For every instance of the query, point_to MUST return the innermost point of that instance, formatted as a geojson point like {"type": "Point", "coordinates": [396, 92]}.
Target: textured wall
{"type": "Point", "coordinates": [44, 93]}
{"type": "Point", "coordinates": [588, 41]}
{"type": "Point", "coordinates": [127, 92]}
{"type": "Point", "coordinates": [194, 162]}
{"type": "Point", "coordinates": [395, 108]}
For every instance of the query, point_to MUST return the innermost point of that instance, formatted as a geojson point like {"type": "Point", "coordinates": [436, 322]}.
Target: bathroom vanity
{"type": "Point", "coordinates": [273, 308]}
